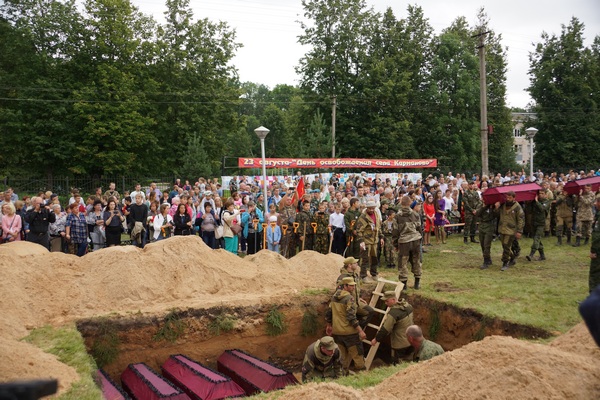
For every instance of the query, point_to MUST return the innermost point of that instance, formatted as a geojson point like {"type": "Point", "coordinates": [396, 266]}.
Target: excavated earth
{"type": "Point", "coordinates": [134, 294]}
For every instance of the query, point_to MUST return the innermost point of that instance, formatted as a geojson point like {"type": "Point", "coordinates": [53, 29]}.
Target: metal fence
{"type": "Point", "coordinates": [64, 185]}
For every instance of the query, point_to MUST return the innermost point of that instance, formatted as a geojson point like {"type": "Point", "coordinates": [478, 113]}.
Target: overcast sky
{"type": "Point", "coordinates": [269, 30]}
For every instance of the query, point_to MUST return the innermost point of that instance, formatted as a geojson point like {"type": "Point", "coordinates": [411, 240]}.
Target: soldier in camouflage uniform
{"type": "Point", "coordinates": [470, 203]}
{"type": "Point", "coordinates": [424, 349]}
{"type": "Point", "coordinates": [315, 201]}
{"type": "Point", "coordinates": [322, 234]}
{"type": "Point", "coordinates": [364, 312]}
{"type": "Point", "coordinates": [350, 218]}
{"type": "Point", "coordinates": [585, 215]}
{"type": "Point", "coordinates": [408, 241]}
{"type": "Point", "coordinates": [389, 252]}
{"type": "Point", "coordinates": [398, 319]}
{"type": "Point", "coordinates": [540, 210]}
{"type": "Point", "coordinates": [343, 325]}
{"type": "Point", "coordinates": [564, 216]}
{"type": "Point", "coordinates": [370, 236]}
{"type": "Point", "coordinates": [287, 216]}
{"type": "Point", "coordinates": [305, 229]}
{"type": "Point", "coordinates": [322, 359]}
{"type": "Point", "coordinates": [487, 216]}
{"type": "Point", "coordinates": [550, 198]}
{"type": "Point", "coordinates": [510, 228]}
{"type": "Point", "coordinates": [595, 249]}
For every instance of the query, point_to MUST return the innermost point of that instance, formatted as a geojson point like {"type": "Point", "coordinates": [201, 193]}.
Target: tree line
{"type": "Point", "coordinates": [104, 89]}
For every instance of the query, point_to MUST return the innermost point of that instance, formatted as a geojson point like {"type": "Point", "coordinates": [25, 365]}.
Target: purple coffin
{"type": "Point", "coordinates": [110, 391]}
{"type": "Point", "coordinates": [253, 374]}
{"type": "Point", "coordinates": [142, 383]}
{"type": "Point", "coordinates": [198, 381]}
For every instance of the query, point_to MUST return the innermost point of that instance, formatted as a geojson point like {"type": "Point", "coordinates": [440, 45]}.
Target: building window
{"type": "Point", "coordinates": [517, 132]}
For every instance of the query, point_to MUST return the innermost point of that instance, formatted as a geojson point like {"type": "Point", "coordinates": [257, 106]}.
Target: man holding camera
{"type": "Point", "coordinates": [38, 218]}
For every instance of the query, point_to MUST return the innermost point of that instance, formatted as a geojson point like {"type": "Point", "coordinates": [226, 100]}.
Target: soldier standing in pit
{"type": "Point", "coordinates": [322, 233]}
{"type": "Point", "coordinates": [564, 216]}
{"type": "Point", "coordinates": [305, 229]}
{"type": "Point", "coordinates": [424, 349]}
{"type": "Point", "coordinates": [350, 218]}
{"type": "Point", "coordinates": [408, 242]}
{"type": "Point", "coordinates": [487, 216]}
{"type": "Point", "coordinates": [343, 325]}
{"type": "Point", "coordinates": [369, 235]}
{"type": "Point", "coordinates": [364, 312]}
{"type": "Point", "coordinates": [322, 360]}
{"type": "Point", "coordinates": [287, 216]}
{"type": "Point", "coordinates": [585, 215]}
{"type": "Point", "coordinates": [389, 225]}
{"type": "Point", "coordinates": [470, 203]}
{"type": "Point", "coordinates": [540, 210]}
{"type": "Point", "coordinates": [398, 319]}
{"type": "Point", "coordinates": [595, 249]}
{"type": "Point", "coordinates": [510, 228]}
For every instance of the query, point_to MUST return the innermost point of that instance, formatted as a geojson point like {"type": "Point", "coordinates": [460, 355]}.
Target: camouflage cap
{"type": "Point", "coordinates": [350, 260]}
{"type": "Point", "coordinates": [390, 294]}
{"type": "Point", "coordinates": [327, 342]}
{"type": "Point", "coordinates": [348, 281]}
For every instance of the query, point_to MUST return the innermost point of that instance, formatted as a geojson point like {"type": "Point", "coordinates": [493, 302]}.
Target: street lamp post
{"type": "Point", "coordinates": [530, 135]}
{"type": "Point", "coordinates": [262, 133]}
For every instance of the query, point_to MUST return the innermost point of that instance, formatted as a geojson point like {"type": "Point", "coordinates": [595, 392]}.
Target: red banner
{"type": "Point", "coordinates": [335, 163]}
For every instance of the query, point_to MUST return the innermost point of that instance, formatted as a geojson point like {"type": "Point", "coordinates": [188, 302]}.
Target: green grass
{"type": "Point", "coordinates": [275, 322]}
{"type": "Point", "coordinates": [172, 328]}
{"type": "Point", "coordinates": [67, 344]}
{"type": "Point", "coordinates": [316, 292]}
{"type": "Point", "coordinates": [543, 294]}
{"type": "Point", "coordinates": [222, 323]}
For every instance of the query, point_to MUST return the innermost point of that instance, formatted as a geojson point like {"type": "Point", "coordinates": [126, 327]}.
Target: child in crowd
{"type": "Point", "coordinates": [273, 234]}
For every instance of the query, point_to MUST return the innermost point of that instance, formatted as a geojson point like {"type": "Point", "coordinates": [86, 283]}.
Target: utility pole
{"type": "Point", "coordinates": [483, 104]}
{"type": "Point", "coordinates": [333, 107]}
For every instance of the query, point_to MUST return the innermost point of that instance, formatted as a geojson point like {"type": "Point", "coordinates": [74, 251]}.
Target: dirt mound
{"type": "Point", "coordinates": [497, 368]}
{"type": "Point", "coordinates": [577, 340]}
{"type": "Point", "coordinates": [313, 391]}
{"type": "Point", "coordinates": [22, 361]}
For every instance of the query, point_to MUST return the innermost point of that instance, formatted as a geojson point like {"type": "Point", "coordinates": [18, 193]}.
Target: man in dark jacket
{"type": "Point", "coordinates": [38, 218]}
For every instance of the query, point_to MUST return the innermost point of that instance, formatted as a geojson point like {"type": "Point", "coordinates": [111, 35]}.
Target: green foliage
{"type": "Point", "coordinates": [435, 323]}
{"type": "Point", "coordinates": [316, 292]}
{"type": "Point", "coordinates": [67, 344]}
{"type": "Point", "coordinates": [221, 323]}
{"type": "Point", "coordinates": [105, 348]}
{"type": "Point", "coordinates": [275, 322]}
{"type": "Point", "coordinates": [172, 328]}
{"type": "Point", "coordinates": [565, 88]}
{"type": "Point", "coordinates": [310, 322]}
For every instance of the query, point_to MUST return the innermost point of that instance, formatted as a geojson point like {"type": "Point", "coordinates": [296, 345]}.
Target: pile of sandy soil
{"type": "Point", "coordinates": [39, 288]}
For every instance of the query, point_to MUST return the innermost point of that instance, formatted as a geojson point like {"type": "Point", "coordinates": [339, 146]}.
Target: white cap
{"type": "Point", "coordinates": [272, 218]}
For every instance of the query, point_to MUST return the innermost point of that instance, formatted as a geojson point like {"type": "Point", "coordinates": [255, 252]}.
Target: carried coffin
{"type": "Point", "coordinates": [110, 390]}
{"type": "Point", "coordinates": [574, 187]}
{"type": "Point", "coordinates": [523, 192]}
{"type": "Point", "coordinates": [142, 383]}
{"type": "Point", "coordinates": [198, 381]}
{"type": "Point", "coordinates": [253, 374]}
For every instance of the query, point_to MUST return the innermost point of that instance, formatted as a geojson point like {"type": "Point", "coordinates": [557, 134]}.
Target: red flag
{"type": "Point", "coordinates": [300, 188]}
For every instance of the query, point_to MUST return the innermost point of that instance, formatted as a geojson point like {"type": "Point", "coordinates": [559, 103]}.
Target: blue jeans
{"type": "Point", "coordinates": [81, 248]}
{"type": "Point", "coordinates": [209, 239]}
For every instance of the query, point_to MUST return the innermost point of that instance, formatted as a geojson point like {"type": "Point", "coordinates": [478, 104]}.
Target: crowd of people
{"type": "Point", "coordinates": [367, 217]}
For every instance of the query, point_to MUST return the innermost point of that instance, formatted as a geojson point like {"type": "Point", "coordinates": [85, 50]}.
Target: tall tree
{"type": "Point", "coordinates": [565, 85]}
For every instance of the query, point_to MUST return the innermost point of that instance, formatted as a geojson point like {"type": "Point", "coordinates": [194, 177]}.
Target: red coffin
{"type": "Point", "coordinates": [142, 383]}
{"type": "Point", "coordinates": [523, 192]}
{"type": "Point", "coordinates": [253, 374]}
{"type": "Point", "coordinates": [573, 187]}
{"type": "Point", "coordinates": [110, 391]}
{"type": "Point", "coordinates": [197, 381]}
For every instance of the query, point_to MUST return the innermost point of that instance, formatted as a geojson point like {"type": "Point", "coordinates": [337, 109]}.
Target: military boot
{"type": "Point", "coordinates": [577, 242]}
{"type": "Point", "coordinates": [530, 256]}
{"type": "Point", "coordinates": [473, 240]}
{"type": "Point", "coordinates": [486, 263]}
{"type": "Point", "coordinates": [417, 284]}
{"type": "Point", "coordinates": [569, 236]}
{"type": "Point", "coordinates": [587, 240]}
{"type": "Point", "coordinates": [504, 266]}
{"type": "Point", "coordinates": [466, 240]}
{"type": "Point", "coordinates": [405, 288]}
{"type": "Point", "coordinates": [542, 256]}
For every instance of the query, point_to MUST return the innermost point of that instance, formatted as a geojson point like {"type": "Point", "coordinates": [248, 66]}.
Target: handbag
{"type": "Point", "coordinates": [219, 232]}
{"type": "Point", "coordinates": [235, 228]}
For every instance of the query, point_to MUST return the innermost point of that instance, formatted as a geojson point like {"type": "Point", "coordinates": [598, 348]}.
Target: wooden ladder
{"type": "Point", "coordinates": [377, 294]}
